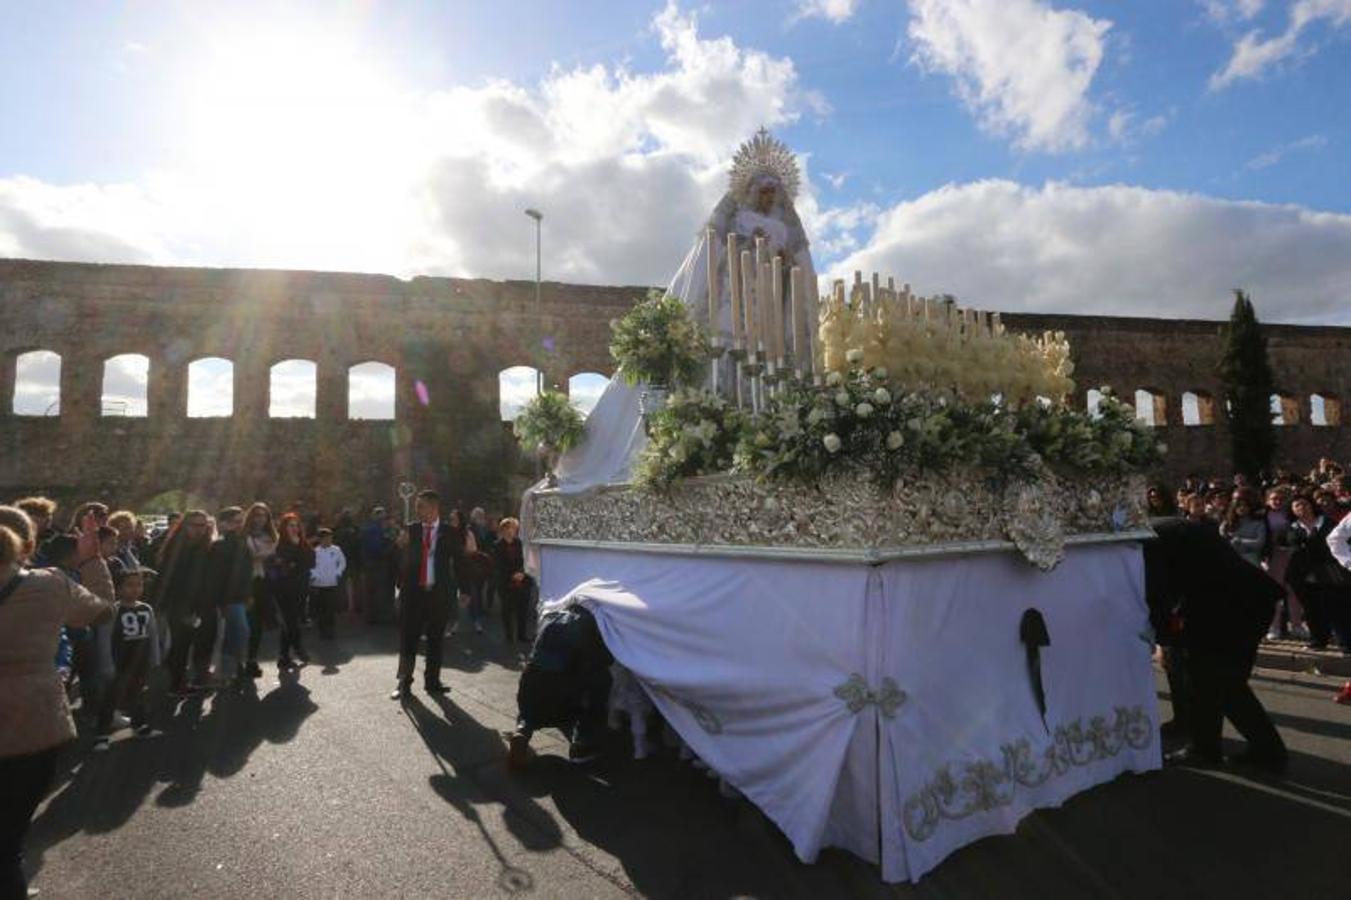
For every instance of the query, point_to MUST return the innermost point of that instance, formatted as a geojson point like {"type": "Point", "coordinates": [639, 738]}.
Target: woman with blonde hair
{"type": "Point", "coordinates": [34, 604]}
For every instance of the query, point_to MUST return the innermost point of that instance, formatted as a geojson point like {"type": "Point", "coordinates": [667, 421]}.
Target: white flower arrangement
{"type": "Point", "coordinates": [696, 433]}
{"type": "Point", "coordinates": [659, 342]}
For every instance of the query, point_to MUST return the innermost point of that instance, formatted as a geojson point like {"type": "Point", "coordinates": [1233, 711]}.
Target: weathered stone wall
{"type": "Point", "coordinates": [453, 336]}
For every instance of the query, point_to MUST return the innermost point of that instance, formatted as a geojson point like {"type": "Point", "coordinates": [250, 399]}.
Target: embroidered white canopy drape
{"type": "Point", "coordinates": [887, 709]}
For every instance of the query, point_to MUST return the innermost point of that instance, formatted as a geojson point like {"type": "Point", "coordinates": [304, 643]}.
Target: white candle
{"type": "Point", "coordinates": [797, 296]}
{"type": "Point", "coordinates": [714, 326]}
{"type": "Point", "coordinates": [734, 288]}
{"type": "Point", "coordinates": [776, 297]}
{"type": "Point", "coordinates": [748, 300]}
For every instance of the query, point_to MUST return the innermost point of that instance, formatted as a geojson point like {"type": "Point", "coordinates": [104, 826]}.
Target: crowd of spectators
{"type": "Point", "coordinates": [1297, 529]}
{"type": "Point", "coordinates": [96, 604]}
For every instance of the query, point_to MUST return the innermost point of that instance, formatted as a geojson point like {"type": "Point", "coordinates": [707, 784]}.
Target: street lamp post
{"type": "Point", "coordinates": [539, 326]}
{"type": "Point", "coordinates": [539, 314]}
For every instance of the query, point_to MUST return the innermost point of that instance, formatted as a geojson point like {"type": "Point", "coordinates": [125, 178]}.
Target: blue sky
{"type": "Point", "coordinates": [1133, 158]}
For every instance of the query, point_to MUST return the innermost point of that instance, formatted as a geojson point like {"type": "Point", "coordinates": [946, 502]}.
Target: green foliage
{"type": "Point", "coordinates": [694, 434]}
{"type": "Point", "coordinates": [660, 343]}
{"type": "Point", "coordinates": [1245, 372]}
{"type": "Point", "coordinates": [549, 422]}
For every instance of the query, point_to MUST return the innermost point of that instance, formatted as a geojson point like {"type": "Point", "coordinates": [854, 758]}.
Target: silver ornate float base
{"type": "Point", "coordinates": [852, 518]}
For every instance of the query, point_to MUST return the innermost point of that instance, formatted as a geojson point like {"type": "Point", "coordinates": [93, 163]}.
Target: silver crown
{"type": "Point", "coordinates": [763, 155]}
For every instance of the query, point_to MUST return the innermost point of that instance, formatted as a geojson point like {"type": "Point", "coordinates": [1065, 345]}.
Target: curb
{"type": "Point", "coordinates": [1294, 657]}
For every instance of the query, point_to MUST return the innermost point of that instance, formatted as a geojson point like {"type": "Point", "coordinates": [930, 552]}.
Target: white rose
{"type": "Point", "coordinates": [815, 416]}
{"type": "Point", "coordinates": [895, 440]}
{"type": "Point", "coordinates": [880, 373]}
{"type": "Point", "coordinates": [832, 442]}
{"type": "Point", "coordinates": [842, 398]}
{"type": "Point", "coordinates": [882, 396]}
{"type": "Point", "coordinates": [854, 357]}
{"type": "Point", "coordinates": [834, 378]}
{"type": "Point", "coordinates": [1162, 447]}
{"type": "Point", "coordinates": [863, 410]}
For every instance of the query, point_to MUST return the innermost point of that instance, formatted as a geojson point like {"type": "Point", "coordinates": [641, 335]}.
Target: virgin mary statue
{"type": "Point", "coordinates": [763, 182]}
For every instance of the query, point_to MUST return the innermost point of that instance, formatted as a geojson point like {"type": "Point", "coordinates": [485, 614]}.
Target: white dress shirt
{"type": "Point", "coordinates": [1339, 542]}
{"type": "Point", "coordinates": [430, 543]}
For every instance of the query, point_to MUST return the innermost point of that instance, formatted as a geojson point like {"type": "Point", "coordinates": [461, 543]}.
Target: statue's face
{"type": "Point", "coordinates": [764, 198]}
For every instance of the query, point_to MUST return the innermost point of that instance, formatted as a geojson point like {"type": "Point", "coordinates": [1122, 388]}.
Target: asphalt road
{"type": "Point", "coordinates": [320, 786]}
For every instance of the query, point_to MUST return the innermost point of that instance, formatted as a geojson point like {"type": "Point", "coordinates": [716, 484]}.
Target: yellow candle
{"type": "Point", "coordinates": [748, 300]}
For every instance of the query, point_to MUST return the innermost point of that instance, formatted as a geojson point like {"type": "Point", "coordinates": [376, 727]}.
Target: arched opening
{"type": "Point", "coordinates": [1151, 407]}
{"type": "Point", "coordinates": [370, 391]}
{"type": "Point", "coordinates": [211, 388]}
{"type": "Point", "coordinates": [1198, 408]}
{"type": "Point", "coordinates": [515, 387]}
{"type": "Point", "coordinates": [1095, 403]}
{"type": "Point", "coordinates": [293, 389]}
{"type": "Point", "coordinates": [126, 380]}
{"type": "Point", "coordinates": [1284, 410]}
{"type": "Point", "coordinates": [584, 389]}
{"type": "Point", "coordinates": [1325, 410]}
{"type": "Point", "coordinates": [37, 384]}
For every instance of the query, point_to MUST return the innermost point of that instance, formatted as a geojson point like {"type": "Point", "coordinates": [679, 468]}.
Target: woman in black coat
{"type": "Point", "coordinates": [289, 573]}
{"type": "Point", "coordinates": [514, 586]}
{"type": "Point", "coordinates": [1323, 586]}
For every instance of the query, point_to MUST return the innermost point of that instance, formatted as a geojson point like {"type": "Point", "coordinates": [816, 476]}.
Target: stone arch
{"type": "Point", "coordinates": [293, 389]}
{"type": "Point", "coordinates": [1198, 408]}
{"type": "Point", "coordinates": [211, 388]}
{"type": "Point", "coordinates": [1151, 406]}
{"type": "Point", "coordinates": [126, 385]}
{"type": "Point", "coordinates": [515, 386]}
{"type": "Point", "coordinates": [1284, 409]}
{"type": "Point", "coordinates": [372, 387]}
{"type": "Point", "coordinates": [584, 389]}
{"type": "Point", "coordinates": [37, 383]}
{"type": "Point", "coordinates": [1325, 410]}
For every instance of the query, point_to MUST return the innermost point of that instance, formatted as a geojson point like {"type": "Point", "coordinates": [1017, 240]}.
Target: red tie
{"type": "Point", "coordinates": [426, 552]}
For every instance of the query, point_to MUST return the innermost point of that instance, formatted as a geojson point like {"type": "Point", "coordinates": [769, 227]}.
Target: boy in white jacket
{"type": "Point", "coordinates": [329, 564]}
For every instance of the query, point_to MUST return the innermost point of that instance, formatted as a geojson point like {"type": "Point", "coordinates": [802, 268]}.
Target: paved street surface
{"type": "Point", "coordinates": [322, 787]}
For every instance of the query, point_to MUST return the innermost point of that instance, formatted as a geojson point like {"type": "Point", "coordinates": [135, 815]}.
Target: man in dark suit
{"type": "Point", "coordinates": [1225, 606]}
{"type": "Point", "coordinates": [428, 571]}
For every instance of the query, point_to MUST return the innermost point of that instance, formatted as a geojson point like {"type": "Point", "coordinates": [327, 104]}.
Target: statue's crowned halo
{"type": "Point", "coordinates": [763, 182]}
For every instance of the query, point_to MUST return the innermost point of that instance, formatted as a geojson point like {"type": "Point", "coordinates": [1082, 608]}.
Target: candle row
{"type": "Point", "coordinates": [755, 288]}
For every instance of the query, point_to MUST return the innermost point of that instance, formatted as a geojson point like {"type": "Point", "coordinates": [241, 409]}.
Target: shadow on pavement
{"type": "Point", "coordinates": [105, 789]}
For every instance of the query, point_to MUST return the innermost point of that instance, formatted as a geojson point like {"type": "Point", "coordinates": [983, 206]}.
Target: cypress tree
{"type": "Point", "coordinates": [1248, 383]}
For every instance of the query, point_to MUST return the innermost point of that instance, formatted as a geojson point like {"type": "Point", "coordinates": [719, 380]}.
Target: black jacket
{"type": "Point", "coordinates": [443, 555]}
{"type": "Point", "coordinates": [1312, 563]}
{"type": "Point", "coordinates": [181, 587]}
{"type": "Point", "coordinates": [1226, 603]}
{"type": "Point", "coordinates": [229, 570]}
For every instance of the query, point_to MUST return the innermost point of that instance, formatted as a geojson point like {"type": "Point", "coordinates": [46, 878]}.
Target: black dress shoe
{"type": "Point", "coordinates": [402, 692]}
{"type": "Point", "coordinates": [437, 688]}
{"type": "Point", "coordinates": [1274, 761]}
{"type": "Point", "coordinates": [1190, 757]}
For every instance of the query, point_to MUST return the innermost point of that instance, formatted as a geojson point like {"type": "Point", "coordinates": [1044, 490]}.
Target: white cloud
{"type": "Point", "coordinates": [370, 391]}
{"type": "Point", "coordinates": [37, 385]}
{"type": "Point", "coordinates": [515, 386]}
{"type": "Point", "coordinates": [293, 389]}
{"type": "Point", "coordinates": [211, 387]}
{"type": "Point", "coordinates": [1124, 125]}
{"type": "Point", "coordinates": [625, 166]}
{"type": "Point", "coordinates": [835, 179]}
{"type": "Point", "coordinates": [1224, 11]}
{"type": "Point", "coordinates": [1254, 54]}
{"type": "Point", "coordinates": [1276, 154]}
{"type": "Point", "coordinates": [103, 223]}
{"type": "Point", "coordinates": [1023, 68]}
{"type": "Point", "coordinates": [1114, 250]}
{"type": "Point", "coordinates": [584, 389]}
{"type": "Point", "coordinates": [126, 381]}
{"type": "Point", "coordinates": [835, 11]}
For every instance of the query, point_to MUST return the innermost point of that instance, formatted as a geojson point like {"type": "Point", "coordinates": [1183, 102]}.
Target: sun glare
{"type": "Point", "coordinates": [299, 136]}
